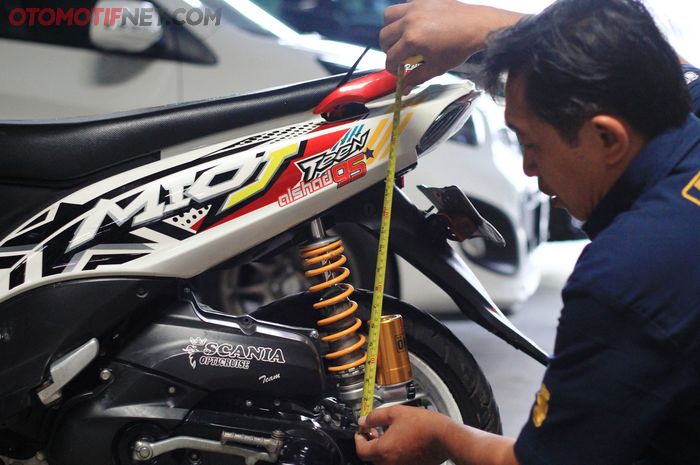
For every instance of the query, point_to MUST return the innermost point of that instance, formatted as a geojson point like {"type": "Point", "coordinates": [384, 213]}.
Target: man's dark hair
{"type": "Point", "coordinates": [580, 58]}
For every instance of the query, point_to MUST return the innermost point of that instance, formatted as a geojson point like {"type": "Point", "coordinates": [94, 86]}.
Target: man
{"type": "Point", "coordinates": [600, 105]}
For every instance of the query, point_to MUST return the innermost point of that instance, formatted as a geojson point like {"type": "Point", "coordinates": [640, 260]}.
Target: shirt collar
{"type": "Point", "coordinates": [654, 161]}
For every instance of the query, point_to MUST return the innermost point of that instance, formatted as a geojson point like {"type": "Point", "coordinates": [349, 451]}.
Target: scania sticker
{"type": "Point", "coordinates": [209, 353]}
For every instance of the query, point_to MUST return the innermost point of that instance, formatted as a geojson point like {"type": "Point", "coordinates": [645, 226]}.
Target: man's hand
{"type": "Point", "coordinates": [444, 32]}
{"type": "Point", "coordinates": [413, 437]}
{"type": "Point", "coordinates": [416, 436]}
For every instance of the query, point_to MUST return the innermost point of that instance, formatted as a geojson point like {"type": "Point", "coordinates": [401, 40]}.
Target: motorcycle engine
{"type": "Point", "coordinates": [200, 387]}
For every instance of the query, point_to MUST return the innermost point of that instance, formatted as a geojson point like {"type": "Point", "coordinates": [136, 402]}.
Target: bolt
{"type": "Point", "coordinates": [144, 452]}
{"type": "Point", "coordinates": [313, 334]}
{"type": "Point", "coordinates": [106, 374]}
{"type": "Point", "coordinates": [249, 403]}
{"type": "Point", "coordinates": [172, 390]}
{"type": "Point", "coordinates": [277, 403]}
{"type": "Point", "coordinates": [327, 418]}
{"type": "Point", "coordinates": [40, 457]}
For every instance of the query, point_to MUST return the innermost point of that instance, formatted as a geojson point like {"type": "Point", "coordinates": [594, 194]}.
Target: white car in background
{"type": "Point", "coordinates": [97, 69]}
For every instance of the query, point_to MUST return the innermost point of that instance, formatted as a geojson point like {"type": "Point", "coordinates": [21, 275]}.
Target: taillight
{"type": "Point", "coordinates": [446, 124]}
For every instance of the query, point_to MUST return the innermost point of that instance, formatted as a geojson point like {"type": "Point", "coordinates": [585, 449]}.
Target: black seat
{"type": "Point", "coordinates": [47, 152]}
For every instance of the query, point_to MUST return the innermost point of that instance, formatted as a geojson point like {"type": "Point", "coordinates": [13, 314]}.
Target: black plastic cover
{"type": "Point", "coordinates": [220, 352]}
{"type": "Point", "coordinates": [40, 325]}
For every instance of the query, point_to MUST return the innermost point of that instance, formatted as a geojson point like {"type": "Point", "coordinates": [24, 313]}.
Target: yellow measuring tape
{"type": "Point", "coordinates": [380, 272]}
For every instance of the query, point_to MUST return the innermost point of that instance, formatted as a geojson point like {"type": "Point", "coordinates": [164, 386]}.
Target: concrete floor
{"type": "Point", "coordinates": [515, 377]}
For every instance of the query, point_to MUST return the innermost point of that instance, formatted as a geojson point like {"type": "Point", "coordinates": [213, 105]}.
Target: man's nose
{"type": "Point", "coordinates": [529, 165]}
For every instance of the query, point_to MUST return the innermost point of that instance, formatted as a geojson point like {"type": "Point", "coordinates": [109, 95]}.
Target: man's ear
{"type": "Point", "coordinates": [612, 137]}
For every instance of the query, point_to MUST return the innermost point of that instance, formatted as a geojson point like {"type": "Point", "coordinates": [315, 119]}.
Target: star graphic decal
{"type": "Point", "coordinates": [369, 153]}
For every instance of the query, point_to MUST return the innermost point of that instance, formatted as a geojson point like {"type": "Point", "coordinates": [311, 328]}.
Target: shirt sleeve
{"type": "Point", "coordinates": [607, 388]}
{"type": "Point", "coordinates": [692, 78]}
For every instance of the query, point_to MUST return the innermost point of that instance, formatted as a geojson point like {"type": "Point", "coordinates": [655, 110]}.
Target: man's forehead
{"type": "Point", "coordinates": [516, 108]}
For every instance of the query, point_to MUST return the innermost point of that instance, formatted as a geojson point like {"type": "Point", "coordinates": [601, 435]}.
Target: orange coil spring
{"type": "Point", "coordinates": [326, 262]}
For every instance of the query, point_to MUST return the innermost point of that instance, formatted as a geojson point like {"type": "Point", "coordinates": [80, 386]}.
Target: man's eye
{"type": "Point", "coordinates": [524, 147]}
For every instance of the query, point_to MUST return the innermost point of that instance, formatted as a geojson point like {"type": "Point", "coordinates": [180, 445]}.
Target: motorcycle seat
{"type": "Point", "coordinates": [64, 150]}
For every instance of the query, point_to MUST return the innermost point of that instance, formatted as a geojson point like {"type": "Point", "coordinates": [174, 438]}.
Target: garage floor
{"type": "Point", "coordinates": [514, 377]}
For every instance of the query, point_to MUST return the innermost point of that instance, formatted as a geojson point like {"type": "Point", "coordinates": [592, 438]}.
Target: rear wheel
{"type": "Point", "coordinates": [443, 368]}
{"type": "Point", "coordinates": [242, 289]}
{"type": "Point", "coordinates": [445, 371]}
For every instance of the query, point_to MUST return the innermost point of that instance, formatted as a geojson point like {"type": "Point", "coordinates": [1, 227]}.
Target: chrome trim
{"type": "Point", "coordinates": [145, 450]}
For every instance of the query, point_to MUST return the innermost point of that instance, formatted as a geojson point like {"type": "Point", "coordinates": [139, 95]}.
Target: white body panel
{"type": "Point", "coordinates": [45, 80]}
{"type": "Point", "coordinates": [163, 255]}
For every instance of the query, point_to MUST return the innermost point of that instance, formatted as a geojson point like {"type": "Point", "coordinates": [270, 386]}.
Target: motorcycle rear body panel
{"type": "Point", "coordinates": [219, 352]}
{"type": "Point", "coordinates": [174, 217]}
{"type": "Point", "coordinates": [39, 326]}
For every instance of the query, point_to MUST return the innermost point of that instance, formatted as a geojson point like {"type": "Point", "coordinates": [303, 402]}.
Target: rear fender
{"type": "Point", "coordinates": [412, 238]}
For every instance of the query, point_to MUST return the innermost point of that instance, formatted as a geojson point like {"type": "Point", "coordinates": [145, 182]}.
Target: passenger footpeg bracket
{"type": "Point", "coordinates": [147, 450]}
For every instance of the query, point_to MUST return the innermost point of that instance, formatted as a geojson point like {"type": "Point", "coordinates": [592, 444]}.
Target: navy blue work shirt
{"type": "Point", "coordinates": [692, 78]}
{"type": "Point", "coordinates": [623, 386]}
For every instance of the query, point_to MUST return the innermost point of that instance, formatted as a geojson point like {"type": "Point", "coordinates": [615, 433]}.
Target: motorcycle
{"type": "Point", "coordinates": [110, 355]}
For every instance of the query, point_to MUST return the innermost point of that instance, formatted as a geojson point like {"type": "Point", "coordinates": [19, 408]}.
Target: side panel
{"type": "Point", "coordinates": [219, 352]}
{"type": "Point", "coordinates": [41, 325]}
{"type": "Point", "coordinates": [413, 239]}
{"type": "Point", "coordinates": [180, 216]}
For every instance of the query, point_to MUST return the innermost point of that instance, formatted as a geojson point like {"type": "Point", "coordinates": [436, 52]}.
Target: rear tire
{"type": "Point", "coordinates": [449, 372]}
{"type": "Point", "coordinates": [445, 369]}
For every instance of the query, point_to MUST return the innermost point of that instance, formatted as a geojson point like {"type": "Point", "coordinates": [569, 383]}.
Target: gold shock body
{"type": "Point", "coordinates": [393, 364]}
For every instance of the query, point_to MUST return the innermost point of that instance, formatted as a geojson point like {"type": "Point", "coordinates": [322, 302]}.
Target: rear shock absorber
{"type": "Point", "coordinates": [323, 259]}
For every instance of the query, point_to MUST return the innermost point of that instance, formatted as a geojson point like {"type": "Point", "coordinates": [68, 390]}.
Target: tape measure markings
{"type": "Point", "coordinates": [382, 251]}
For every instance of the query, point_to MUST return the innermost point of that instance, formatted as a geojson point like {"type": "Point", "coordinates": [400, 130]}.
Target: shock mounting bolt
{"type": "Point", "coordinates": [172, 390]}
{"type": "Point", "coordinates": [144, 452]}
{"type": "Point", "coordinates": [106, 374]}
{"type": "Point", "coordinates": [249, 403]}
{"type": "Point", "coordinates": [313, 334]}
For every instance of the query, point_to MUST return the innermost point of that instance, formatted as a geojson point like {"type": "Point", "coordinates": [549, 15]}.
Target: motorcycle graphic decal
{"type": "Point", "coordinates": [379, 145]}
{"type": "Point", "coordinates": [210, 353]}
{"type": "Point", "coordinates": [263, 181]}
{"type": "Point", "coordinates": [351, 143]}
{"type": "Point", "coordinates": [290, 178]}
{"type": "Point", "coordinates": [191, 220]}
{"type": "Point", "coordinates": [303, 189]}
{"type": "Point", "coordinates": [156, 209]}
{"type": "Point", "coordinates": [239, 177]}
{"type": "Point", "coordinates": [340, 165]}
